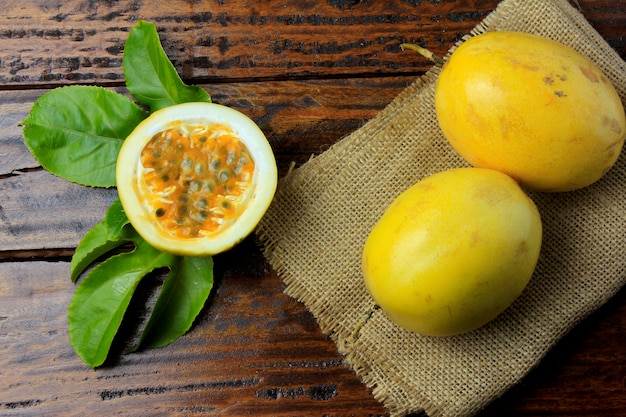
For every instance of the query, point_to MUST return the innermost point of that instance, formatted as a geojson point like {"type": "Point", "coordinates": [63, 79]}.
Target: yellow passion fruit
{"type": "Point", "coordinates": [195, 179]}
{"type": "Point", "coordinates": [532, 108]}
{"type": "Point", "coordinates": [453, 251]}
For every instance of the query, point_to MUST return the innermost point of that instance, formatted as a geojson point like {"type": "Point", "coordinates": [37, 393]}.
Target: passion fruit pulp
{"type": "Point", "coordinates": [195, 179]}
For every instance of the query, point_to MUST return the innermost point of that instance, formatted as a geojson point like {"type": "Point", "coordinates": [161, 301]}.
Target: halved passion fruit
{"type": "Point", "coordinates": [195, 179]}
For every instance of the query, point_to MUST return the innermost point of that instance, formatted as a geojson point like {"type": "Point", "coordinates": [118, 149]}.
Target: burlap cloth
{"type": "Point", "coordinates": [315, 229]}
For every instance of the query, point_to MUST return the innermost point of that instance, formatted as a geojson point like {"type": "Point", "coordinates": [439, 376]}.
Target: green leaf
{"type": "Point", "coordinates": [150, 76]}
{"type": "Point", "coordinates": [102, 298]}
{"type": "Point", "coordinates": [104, 237]}
{"type": "Point", "coordinates": [76, 132]}
{"type": "Point", "coordinates": [182, 297]}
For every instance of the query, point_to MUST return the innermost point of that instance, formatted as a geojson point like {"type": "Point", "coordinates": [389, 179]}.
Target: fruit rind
{"type": "Point", "coordinates": [264, 178]}
{"type": "Point", "coordinates": [532, 108]}
{"type": "Point", "coordinates": [453, 251]}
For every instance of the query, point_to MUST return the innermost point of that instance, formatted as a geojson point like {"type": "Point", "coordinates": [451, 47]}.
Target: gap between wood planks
{"type": "Point", "coordinates": [205, 81]}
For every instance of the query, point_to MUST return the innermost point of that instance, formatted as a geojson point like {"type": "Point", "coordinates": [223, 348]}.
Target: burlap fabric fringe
{"type": "Point", "coordinates": [315, 229]}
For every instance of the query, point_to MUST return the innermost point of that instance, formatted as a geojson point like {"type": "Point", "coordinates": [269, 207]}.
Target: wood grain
{"type": "Point", "coordinates": [254, 351]}
{"type": "Point", "coordinates": [299, 118]}
{"type": "Point", "coordinates": [78, 41]}
{"type": "Point", "coordinates": [583, 375]}
{"type": "Point", "coordinates": [309, 73]}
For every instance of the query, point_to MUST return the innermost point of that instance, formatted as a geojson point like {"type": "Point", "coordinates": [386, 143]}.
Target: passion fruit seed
{"type": "Point", "coordinates": [187, 199]}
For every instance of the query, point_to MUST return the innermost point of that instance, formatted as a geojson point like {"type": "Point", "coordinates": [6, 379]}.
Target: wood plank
{"type": "Point", "coordinates": [41, 211]}
{"type": "Point", "coordinates": [300, 118]}
{"type": "Point", "coordinates": [583, 375]}
{"type": "Point", "coordinates": [222, 40]}
{"type": "Point", "coordinates": [82, 42]}
{"type": "Point", "coordinates": [254, 351]}
{"type": "Point", "coordinates": [14, 107]}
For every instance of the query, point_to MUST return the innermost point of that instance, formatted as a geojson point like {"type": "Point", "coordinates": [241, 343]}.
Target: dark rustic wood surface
{"type": "Point", "coordinates": [308, 72]}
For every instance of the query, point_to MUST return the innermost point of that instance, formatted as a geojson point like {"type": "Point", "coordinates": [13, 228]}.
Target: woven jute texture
{"type": "Point", "coordinates": [314, 232]}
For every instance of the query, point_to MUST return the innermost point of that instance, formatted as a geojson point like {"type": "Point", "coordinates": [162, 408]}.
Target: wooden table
{"type": "Point", "coordinates": [308, 72]}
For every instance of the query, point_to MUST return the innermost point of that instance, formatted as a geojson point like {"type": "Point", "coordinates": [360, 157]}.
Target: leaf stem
{"type": "Point", "coordinates": [423, 52]}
